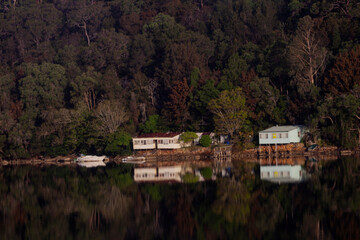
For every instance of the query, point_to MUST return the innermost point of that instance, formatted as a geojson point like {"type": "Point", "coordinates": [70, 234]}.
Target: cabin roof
{"type": "Point", "coordinates": [158, 135]}
{"type": "Point", "coordinates": [279, 129]}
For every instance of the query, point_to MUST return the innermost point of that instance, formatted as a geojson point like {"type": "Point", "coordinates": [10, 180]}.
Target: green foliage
{"type": "Point", "coordinates": [154, 124]}
{"type": "Point", "coordinates": [235, 67]}
{"type": "Point", "coordinates": [206, 172]}
{"type": "Point", "coordinates": [269, 104]}
{"type": "Point", "coordinates": [229, 111]}
{"type": "Point", "coordinates": [203, 96]}
{"type": "Point", "coordinates": [42, 86]}
{"type": "Point", "coordinates": [118, 143]}
{"type": "Point", "coordinates": [164, 29]}
{"type": "Point", "coordinates": [338, 120]}
{"type": "Point", "coordinates": [188, 137]}
{"type": "Point", "coordinates": [194, 77]}
{"type": "Point", "coordinates": [205, 140]}
{"type": "Point", "coordinates": [190, 178]}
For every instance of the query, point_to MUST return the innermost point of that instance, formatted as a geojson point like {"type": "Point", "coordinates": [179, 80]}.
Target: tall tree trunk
{"type": "Point", "coordinates": [86, 33]}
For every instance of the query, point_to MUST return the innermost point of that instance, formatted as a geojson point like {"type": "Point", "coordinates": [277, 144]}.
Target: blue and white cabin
{"type": "Point", "coordinates": [281, 135]}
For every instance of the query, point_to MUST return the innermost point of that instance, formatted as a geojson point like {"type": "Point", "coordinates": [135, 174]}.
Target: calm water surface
{"type": "Point", "coordinates": [105, 203]}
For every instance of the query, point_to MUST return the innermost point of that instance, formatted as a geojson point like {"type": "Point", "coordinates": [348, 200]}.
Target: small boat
{"type": "Point", "coordinates": [90, 158]}
{"type": "Point", "coordinates": [90, 161]}
{"type": "Point", "coordinates": [134, 160]}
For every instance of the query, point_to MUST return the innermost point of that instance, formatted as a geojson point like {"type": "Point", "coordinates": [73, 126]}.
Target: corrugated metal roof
{"type": "Point", "coordinates": [158, 135]}
{"type": "Point", "coordinates": [280, 129]}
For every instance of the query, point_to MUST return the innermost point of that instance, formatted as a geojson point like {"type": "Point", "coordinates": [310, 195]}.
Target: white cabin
{"type": "Point", "coordinates": [281, 135]}
{"type": "Point", "coordinates": [157, 141]}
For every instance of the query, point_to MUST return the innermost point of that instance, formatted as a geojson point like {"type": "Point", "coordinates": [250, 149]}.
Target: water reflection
{"type": "Point", "coordinates": [283, 173]}
{"type": "Point", "coordinates": [287, 170]}
{"type": "Point", "coordinates": [51, 202]}
{"type": "Point", "coordinates": [179, 173]}
{"type": "Point", "coordinates": [156, 174]}
{"type": "Point", "coordinates": [91, 164]}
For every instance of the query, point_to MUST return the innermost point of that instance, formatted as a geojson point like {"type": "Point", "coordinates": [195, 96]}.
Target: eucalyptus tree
{"type": "Point", "coordinates": [230, 112]}
{"type": "Point", "coordinates": [307, 54]}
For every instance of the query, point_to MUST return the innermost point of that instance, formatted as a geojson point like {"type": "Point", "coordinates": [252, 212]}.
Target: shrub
{"type": "Point", "coordinates": [205, 140]}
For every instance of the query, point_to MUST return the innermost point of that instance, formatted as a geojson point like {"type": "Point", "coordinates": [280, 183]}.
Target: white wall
{"type": "Point", "coordinates": [150, 143]}
{"type": "Point", "coordinates": [278, 137]}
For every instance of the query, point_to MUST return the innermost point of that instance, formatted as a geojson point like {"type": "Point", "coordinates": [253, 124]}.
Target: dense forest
{"type": "Point", "coordinates": [86, 75]}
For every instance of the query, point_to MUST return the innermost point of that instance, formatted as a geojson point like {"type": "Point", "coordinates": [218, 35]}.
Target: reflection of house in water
{"type": "Point", "coordinates": [283, 173]}
{"type": "Point", "coordinates": [154, 174]}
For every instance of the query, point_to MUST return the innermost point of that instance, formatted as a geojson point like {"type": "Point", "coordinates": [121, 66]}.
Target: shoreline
{"type": "Point", "coordinates": [197, 154]}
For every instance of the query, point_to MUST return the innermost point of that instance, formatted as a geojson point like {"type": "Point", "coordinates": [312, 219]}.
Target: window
{"type": "Point", "coordinates": [166, 141]}
{"type": "Point", "coordinates": [136, 142]}
{"type": "Point", "coordinates": [143, 142]}
{"type": "Point", "coordinates": [286, 135]}
{"type": "Point", "coordinates": [263, 136]}
{"type": "Point", "coordinates": [171, 141]}
{"type": "Point", "coordinates": [283, 135]}
{"type": "Point", "coordinates": [160, 141]}
{"type": "Point", "coordinates": [150, 141]}
{"type": "Point", "coordinates": [274, 135]}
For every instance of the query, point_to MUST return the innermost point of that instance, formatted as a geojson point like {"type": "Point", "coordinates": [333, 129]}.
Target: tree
{"type": "Point", "coordinates": [307, 53]}
{"type": "Point", "coordinates": [43, 86]}
{"type": "Point", "coordinates": [109, 49]}
{"type": "Point", "coordinates": [269, 106]}
{"type": "Point", "coordinates": [188, 137]}
{"type": "Point", "coordinates": [118, 142]}
{"type": "Point", "coordinates": [177, 107]}
{"type": "Point", "coordinates": [153, 124]}
{"type": "Point", "coordinates": [338, 119]}
{"type": "Point", "coordinates": [111, 116]}
{"type": "Point", "coordinates": [345, 74]}
{"type": "Point", "coordinates": [230, 111]}
{"type": "Point", "coordinates": [83, 89]}
{"type": "Point", "coordinates": [234, 68]}
{"type": "Point", "coordinates": [200, 100]}
{"type": "Point", "coordinates": [84, 15]}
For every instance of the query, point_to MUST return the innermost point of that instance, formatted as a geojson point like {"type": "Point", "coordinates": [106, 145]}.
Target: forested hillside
{"type": "Point", "coordinates": [86, 75]}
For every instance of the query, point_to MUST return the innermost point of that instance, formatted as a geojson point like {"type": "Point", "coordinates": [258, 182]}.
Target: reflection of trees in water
{"type": "Point", "coordinates": [36, 204]}
{"type": "Point", "coordinates": [104, 203]}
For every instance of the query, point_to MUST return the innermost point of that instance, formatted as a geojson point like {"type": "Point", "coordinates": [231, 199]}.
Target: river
{"type": "Point", "coordinates": [72, 202]}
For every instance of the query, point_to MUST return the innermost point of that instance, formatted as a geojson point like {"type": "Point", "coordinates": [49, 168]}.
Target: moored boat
{"type": "Point", "coordinates": [90, 158]}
